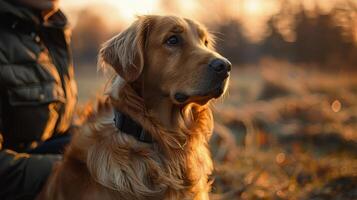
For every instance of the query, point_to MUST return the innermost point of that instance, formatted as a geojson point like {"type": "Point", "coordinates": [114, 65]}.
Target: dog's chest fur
{"type": "Point", "coordinates": [106, 163]}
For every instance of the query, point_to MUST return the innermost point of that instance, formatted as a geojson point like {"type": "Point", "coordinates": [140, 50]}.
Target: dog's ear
{"type": "Point", "coordinates": [125, 52]}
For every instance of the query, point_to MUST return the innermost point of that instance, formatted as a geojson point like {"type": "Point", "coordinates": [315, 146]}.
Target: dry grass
{"type": "Point", "coordinates": [295, 131]}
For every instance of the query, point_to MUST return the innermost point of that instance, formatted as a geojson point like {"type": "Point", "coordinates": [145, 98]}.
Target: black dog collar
{"type": "Point", "coordinates": [128, 126]}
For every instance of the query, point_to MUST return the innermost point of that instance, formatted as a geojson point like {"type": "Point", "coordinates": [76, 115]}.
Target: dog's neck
{"type": "Point", "coordinates": [160, 114]}
{"type": "Point", "coordinates": [159, 105]}
{"type": "Point", "coordinates": [165, 112]}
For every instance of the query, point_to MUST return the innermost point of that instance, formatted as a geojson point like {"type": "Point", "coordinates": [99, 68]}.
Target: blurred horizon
{"type": "Point", "coordinates": [252, 14]}
{"type": "Point", "coordinates": [300, 31]}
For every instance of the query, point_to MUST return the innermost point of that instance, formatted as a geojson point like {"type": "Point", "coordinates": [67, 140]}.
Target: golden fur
{"type": "Point", "coordinates": [102, 163]}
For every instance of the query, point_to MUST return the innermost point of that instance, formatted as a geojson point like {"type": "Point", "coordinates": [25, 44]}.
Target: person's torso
{"type": "Point", "coordinates": [37, 74]}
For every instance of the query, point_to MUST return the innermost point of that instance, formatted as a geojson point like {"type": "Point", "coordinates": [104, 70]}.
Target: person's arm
{"type": "Point", "coordinates": [2, 90]}
{"type": "Point", "coordinates": [21, 175]}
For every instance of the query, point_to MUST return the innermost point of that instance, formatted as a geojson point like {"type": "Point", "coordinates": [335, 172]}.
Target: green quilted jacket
{"type": "Point", "coordinates": [37, 95]}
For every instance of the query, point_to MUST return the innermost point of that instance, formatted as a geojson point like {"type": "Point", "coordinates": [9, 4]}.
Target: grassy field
{"type": "Point", "coordinates": [295, 133]}
{"type": "Point", "coordinates": [281, 132]}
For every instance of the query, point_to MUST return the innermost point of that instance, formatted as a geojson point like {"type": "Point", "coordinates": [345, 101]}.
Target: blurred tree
{"type": "Point", "coordinates": [326, 39]}
{"type": "Point", "coordinates": [234, 45]}
{"type": "Point", "coordinates": [88, 34]}
{"type": "Point", "coordinates": [295, 34]}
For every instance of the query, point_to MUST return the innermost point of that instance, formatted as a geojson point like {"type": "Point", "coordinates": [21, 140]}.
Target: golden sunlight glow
{"type": "Point", "coordinates": [253, 17]}
{"type": "Point", "coordinates": [113, 11]}
{"type": "Point", "coordinates": [189, 7]}
{"type": "Point", "coordinates": [253, 7]}
{"type": "Point", "coordinates": [130, 9]}
{"type": "Point", "coordinates": [252, 14]}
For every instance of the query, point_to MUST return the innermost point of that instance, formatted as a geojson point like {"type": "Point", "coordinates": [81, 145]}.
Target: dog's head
{"type": "Point", "coordinates": [170, 57]}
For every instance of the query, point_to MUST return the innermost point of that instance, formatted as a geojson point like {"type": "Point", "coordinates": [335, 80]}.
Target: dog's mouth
{"type": "Point", "coordinates": [201, 97]}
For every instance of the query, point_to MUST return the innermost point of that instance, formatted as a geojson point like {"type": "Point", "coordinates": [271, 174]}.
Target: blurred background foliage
{"type": "Point", "coordinates": [300, 31]}
{"type": "Point", "coordinates": [287, 128]}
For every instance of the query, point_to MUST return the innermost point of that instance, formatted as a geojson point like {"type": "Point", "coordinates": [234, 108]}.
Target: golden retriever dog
{"type": "Point", "coordinates": [167, 72]}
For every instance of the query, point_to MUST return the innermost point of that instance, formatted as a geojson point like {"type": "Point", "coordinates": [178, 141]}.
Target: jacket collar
{"type": "Point", "coordinates": [128, 126]}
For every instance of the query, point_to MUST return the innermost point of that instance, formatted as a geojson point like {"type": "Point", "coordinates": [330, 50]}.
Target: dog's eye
{"type": "Point", "coordinates": [173, 40]}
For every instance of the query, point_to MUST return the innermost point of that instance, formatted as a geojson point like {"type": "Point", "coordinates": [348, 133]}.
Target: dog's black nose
{"type": "Point", "coordinates": [220, 65]}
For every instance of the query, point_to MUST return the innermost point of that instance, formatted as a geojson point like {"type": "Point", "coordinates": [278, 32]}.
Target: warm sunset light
{"type": "Point", "coordinates": [251, 14]}
{"type": "Point", "coordinates": [253, 7]}
{"type": "Point", "coordinates": [114, 11]}
{"type": "Point", "coordinates": [129, 9]}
